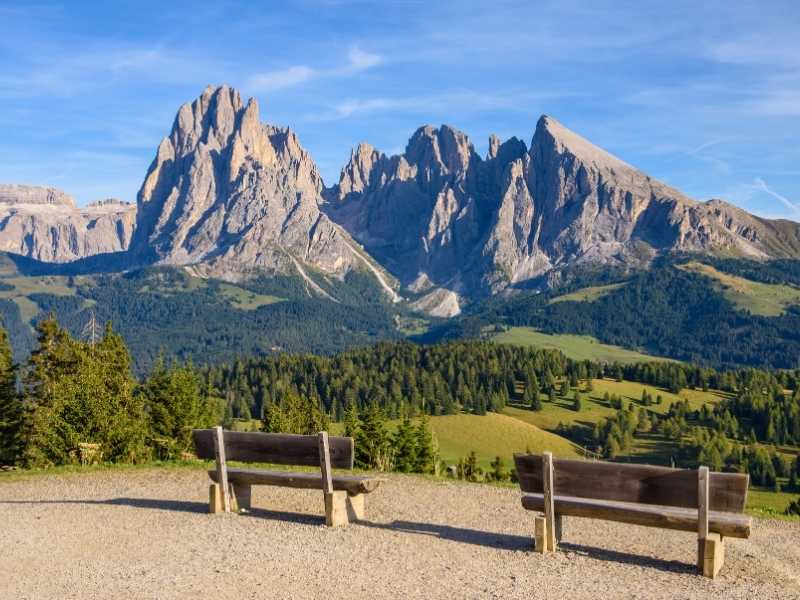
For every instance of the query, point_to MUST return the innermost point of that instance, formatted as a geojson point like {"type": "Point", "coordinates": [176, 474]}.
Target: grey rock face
{"type": "Point", "coordinates": [440, 217]}
{"type": "Point", "coordinates": [231, 194]}
{"type": "Point", "coordinates": [425, 214]}
{"type": "Point", "coordinates": [44, 224]}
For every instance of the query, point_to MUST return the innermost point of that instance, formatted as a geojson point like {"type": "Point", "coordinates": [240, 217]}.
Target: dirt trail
{"type": "Point", "coordinates": [145, 534]}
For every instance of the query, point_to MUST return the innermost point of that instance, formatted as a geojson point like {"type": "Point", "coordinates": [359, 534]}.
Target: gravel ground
{"type": "Point", "coordinates": [146, 534]}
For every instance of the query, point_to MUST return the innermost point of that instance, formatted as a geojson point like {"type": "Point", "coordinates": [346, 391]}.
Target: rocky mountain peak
{"type": "Point", "coordinates": [230, 194]}
{"type": "Point", "coordinates": [31, 194]}
{"type": "Point", "coordinates": [444, 150]}
{"type": "Point", "coordinates": [552, 138]}
{"type": "Point", "coordinates": [357, 173]}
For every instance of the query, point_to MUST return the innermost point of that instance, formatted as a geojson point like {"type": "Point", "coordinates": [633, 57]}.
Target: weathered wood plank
{"type": "Point", "coordinates": [214, 499]}
{"type": "Point", "coordinates": [712, 551]}
{"type": "Point", "coordinates": [325, 462]}
{"type": "Point", "coordinates": [540, 534]}
{"type": "Point", "coordinates": [352, 484]}
{"type": "Point", "coordinates": [665, 517]}
{"type": "Point", "coordinates": [645, 484]}
{"type": "Point", "coordinates": [276, 448]}
{"type": "Point", "coordinates": [336, 509]}
{"type": "Point", "coordinates": [356, 510]}
{"type": "Point", "coordinates": [549, 509]}
{"type": "Point", "coordinates": [702, 502]}
{"type": "Point", "coordinates": [222, 468]}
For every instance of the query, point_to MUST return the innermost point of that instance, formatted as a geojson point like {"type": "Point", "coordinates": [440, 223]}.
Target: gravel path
{"type": "Point", "coordinates": [146, 534]}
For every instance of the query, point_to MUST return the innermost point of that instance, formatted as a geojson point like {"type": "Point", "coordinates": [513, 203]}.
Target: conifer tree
{"type": "Point", "coordinates": [499, 471]}
{"type": "Point", "coordinates": [11, 411]}
{"type": "Point", "coordinates": [294, 414]}
{"type": "Point", "coordinates": [405, 447]}
{"type": "Point", "coordinates": [427, 451]}
{"type": "Point", "coordinates": [174, 399]}
{"type": "Point", "coordinates": [373, 450]}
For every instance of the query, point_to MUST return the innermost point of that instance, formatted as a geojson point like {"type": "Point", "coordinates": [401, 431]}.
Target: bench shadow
{"type": "Point", "coordinates": [149, 503]}
{"type": "Point", "coordinates": [183, 506]}
{"type": "Point", "coordinates": [490, 539]}
{"type": "Point", "coordinates": [636, 560]}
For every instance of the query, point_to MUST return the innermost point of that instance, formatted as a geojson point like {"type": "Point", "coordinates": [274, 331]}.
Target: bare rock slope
{"type": "Point", "coordinates": [44, 224]}
{"type": "Point", "coordinates": [229, 194]}
{"type": "Point", "coordinates": [440, 217]}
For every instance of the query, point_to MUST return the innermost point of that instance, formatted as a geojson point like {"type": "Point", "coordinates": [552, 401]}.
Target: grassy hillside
{"type": "Point", "coordinates": [647, 447]}
{"type": "Point", "coordinates": [768, 300]}
{"type": "Point", "coordinates": [587, 294]}
{"type": "Point", "coordinates": [489, 436]}
{"type": "Point", "coordinates": [494, 435]}
{"type": "Point", "coordinates": [577, 347]}
{"type": "Point", "coordinates": [19, 289]}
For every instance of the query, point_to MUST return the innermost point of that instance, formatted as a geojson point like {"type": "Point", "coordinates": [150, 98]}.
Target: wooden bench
{"type": "Point", "coordinates": [709, 503]}
{"type": "Point", "coordinates": [231, 490]}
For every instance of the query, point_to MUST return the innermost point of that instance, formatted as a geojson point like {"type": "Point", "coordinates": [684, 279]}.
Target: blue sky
{"type": "Point", "coordinates": [706, 98]}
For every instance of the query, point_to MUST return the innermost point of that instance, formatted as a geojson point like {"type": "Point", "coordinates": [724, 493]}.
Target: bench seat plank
{"type": "Point", "coordinates": [352, 484]}
{"type": "Point", "coordinates": [650, 515]}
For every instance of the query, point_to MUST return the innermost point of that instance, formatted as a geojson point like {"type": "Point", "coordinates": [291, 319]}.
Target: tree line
{"type": "Point", "coordinates": [74, 398]}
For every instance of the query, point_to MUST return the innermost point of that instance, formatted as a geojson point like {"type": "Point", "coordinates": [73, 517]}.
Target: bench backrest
{"type": "Point", "coordinates": [276, 448]}
{"type": "Point", "coordinates": [643, 484]}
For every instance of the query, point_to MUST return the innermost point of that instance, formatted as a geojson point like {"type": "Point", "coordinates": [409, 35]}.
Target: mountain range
{"type": "Point", "coordinates": [229, 197]}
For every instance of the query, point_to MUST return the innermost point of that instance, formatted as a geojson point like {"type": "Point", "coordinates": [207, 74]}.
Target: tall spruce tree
{"type": "Point", "coordinates": [373, 450]}
{"type": "Point", "coordinates": [404, 442]}
{"type": "Point", "coordinates": [294, 414]}
{"type": "Point", "coordinates": [175, 401]}
{"type": "Point", "coordinates": [11, 412]}
{"type": "Point", "coordinates": [427, 450]}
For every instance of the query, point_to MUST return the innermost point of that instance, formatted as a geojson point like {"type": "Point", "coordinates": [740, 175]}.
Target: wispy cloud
{"type": "Point", "coordinates": [451, 102]}
{"type": "Point", "coordinates": [357, 62]}
{"type": "Point", "coordinates": [700, 153]}
{"type": "Point", "coordinates": [68, 74]}
{"type": "Point", "coordinates": [762, 186]}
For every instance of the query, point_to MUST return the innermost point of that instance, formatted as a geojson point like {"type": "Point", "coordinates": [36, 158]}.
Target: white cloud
{"type": "Point", "coordinates": [88, 70]}
{"type": "Point", "coordinates": [762, 186]}
{"type": "Point", "coordinates": [361, 61]}
{"type": "Point", "coordinates": [357, 62]}
{"type": "Point", "coordinates": [450, 103]}
{"type": "Point", "coordinates": [276, 80]}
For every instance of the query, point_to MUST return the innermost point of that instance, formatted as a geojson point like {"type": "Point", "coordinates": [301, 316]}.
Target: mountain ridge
{"type": "Point", "coordinates": [230, 196]}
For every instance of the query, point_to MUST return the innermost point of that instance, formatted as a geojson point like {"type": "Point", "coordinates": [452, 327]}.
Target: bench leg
{"type": "Point", "coordinates": [355, 507]}
{"type": "Point", "coordinates": [336, 509]}
{"type": "Point", "coordinates": [215, 499]}
{"type": "Point", "coordinates": [540, 534]}
{"type": "Point", "coordinates": [710, 555]}
{"type": "Point", "coordinates": [559, 528]}
{"type": "Point", "coordinates": [241, 496]}
{"type": "Point", "coordinates": [232, 499]}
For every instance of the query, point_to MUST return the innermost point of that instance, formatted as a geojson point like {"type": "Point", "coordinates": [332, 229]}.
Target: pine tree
{"type": "Point", "coordinates": [471, 470]}
{"type": "Point", "coordinates": [373, 450]}
{"type": "Point", "coordinates": [405, 447]}
{"type": "Point", "coordinates": [499, 471]}
{"type": "Point", "coordinates": [577, 403]}
{"type": "Point", "coordinates": [351, 421]}
{"type": "Point", "coordinates": [427, 452]}
{"type": "Point", "coordinates": [11, 411]}
{"type": "Point", "coordinates": [294, 414]}
{"type": "Point", "coordinates": [175, 401]}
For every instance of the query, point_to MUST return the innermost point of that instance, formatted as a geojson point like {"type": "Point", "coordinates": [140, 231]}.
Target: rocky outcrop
{"type": "Point", "coordinates": [442, 218]}
{"type": "Point", "coordinates": [44, 224]}
{"type": "Point", "coordinates": [230, 195]}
